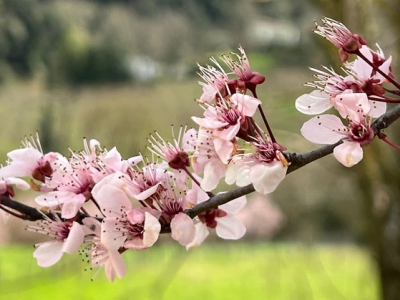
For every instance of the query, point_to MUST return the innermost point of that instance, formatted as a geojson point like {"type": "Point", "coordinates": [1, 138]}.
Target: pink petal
{"type": "Point", "coordinates": [314, 103]}
{"type": "Point", "coordinates": [116, 263]}
{"type": "Point", "coordinates": [234, 206]}
{"type": "Point", "coordinates": [135, 216]}
{"type": "Point", "coordinates": [385, 68]}
{"type": "Point", "coordinates": [189, 139]}
{"type": "Point", "coordinates": [19, 183]}
{"type": "Point", "coordinates": [239, 170]}
{"type": "Point", "coordinates": [113, 160]}
{"type": "Point", "coordinates": [247, 105]}
{"type": "Point", "coordinates": [325, 129]}
{"type": "Point", "coordinates": [348, 153]}
{"type": "Point", "coordinates": [224, 149]}
{"type": "Point", "coordinates": [111, 237]}
{"type": "Point", "coordinates": [71, 206]}
{"type": "Point", "coordinates": [48, 253]}
{"type": "Point", "coordinates": [230, 228]}
{"type": "Point", "coordinates": [182, 229]}
{"type": "Point", "coordinates": [29, 156]}
{"type": "Point", "coordinates": [351, 104]}
{"type": "Point", "coordinates": [229, 133]}
{"type": "Point", "coordinates": [111, 200]}
{"type": "Point", "coordinates": [267, 176]}
{"type": "Point", "coordinates": [152, 230]}
{"type": "Point", "coordinates": [214, 170]}
{"type": "Point", "coordinates": [147, 193]}
{"type": "Point", "coordinates": [17, 169]}
{"type": "Point", "coordinates": [74, 240]}
{"type": "Point", "coordinates": [53, 199]}
{"type": "Point", "coordinates": [377, 109]}
{"type": "Point", "coordinates": [201, 234]}
{"type": "Point", "coordinates": [209, 123]}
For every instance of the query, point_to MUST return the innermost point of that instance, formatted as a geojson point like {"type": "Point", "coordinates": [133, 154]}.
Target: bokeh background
{"type": "Point", "coordinates": [116, 70]}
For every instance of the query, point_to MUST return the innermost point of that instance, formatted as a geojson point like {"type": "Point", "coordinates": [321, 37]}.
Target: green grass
{"type": "Point", "coordinates": [212, 271]}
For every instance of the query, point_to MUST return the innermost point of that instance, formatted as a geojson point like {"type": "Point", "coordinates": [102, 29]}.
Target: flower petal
{"type": "Point", "coordinates": [348, 153]}
{"type": "Point", "coordinates": [267, 176]}
{"type": "Point", "coordinates": [152, 228]}
{"type": "Point", "coordinates": [48, 253]}
{"type": "Point", "coordinates": [182, 229]}
{"type": "Point", "coordinates": [325, 129]}
{"type": "Point", "coordinates": [314, 103]}
{"type": "Point", "coordinates": [71, 206]}
{"type": "Point", "coordinates": [74, 240]}
{"type": "Point", "coordinates": [230, 228]}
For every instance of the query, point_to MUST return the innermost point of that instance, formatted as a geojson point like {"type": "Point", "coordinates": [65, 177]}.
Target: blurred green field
{"type": "Point", "coordinates": [229, 270]}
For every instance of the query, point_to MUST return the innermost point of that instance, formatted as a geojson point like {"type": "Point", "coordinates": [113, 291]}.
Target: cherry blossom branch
{"type": "Point", "coordinates": [297, 161]}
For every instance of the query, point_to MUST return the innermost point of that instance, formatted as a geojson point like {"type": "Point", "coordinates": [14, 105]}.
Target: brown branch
{"type": "Point", "coordinates": [297, 161]}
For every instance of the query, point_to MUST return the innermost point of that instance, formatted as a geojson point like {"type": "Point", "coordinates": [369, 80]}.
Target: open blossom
{"type": "Point", "coordinates": [223, 219]}
{"type": "Point", "coordinates": [97, 254]}
{"type": "Point", "coordinates": [206, 161]}
{"type": "Point", "coordinates": [340, 36]}
{"type": "Point", "coordinates": [265, 168]}
{"type": "Point", "coordinates": [329, 129]}
{"type": "Point", "coordinates": [124, 226]}
{"type": "Point", "coordinates": [227, 119]}
{"type": "Point", "coordinates": [72, 186]}
{"type": "Point", "coordinates": [29, 161]}
{"type": "Point", "coordinates": [67, 238]}
{"type": "Point", "coordinates": [7, 189]}
{"type": "Point", "coordinates": [336, 91]}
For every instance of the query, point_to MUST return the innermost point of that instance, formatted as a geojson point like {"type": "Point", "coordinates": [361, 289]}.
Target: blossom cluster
{"type": "Point", "coordinates": [101, 205]}
{"type": "Point", "coordinates": [98, 204]}
{"type": "Point", "coordinates": [358, 96]}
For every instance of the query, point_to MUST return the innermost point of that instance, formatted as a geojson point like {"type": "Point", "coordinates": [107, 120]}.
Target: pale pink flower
{"type": "Point", "coordinates": [7, 189]}
{"type": "Point", "coordinates": [340, 36]}
{"type": "Point", "coordinates": [173, 203]}
{"type": "Point", "coordinates": [206, 160]}
{"type": "Point", "coordinates": [223, 219]}
{"type": "Point", "coordinates": [72, 186]}
{"type": "Point", "coordinates": [265, 168]}
{"type": "Point", "coordinates": [329, 129]}
{"type": "Point", "coordinates": [124, 226]}
{"type": "Point", "coordinates": [30, 161]}
{"type": "Point", "coordinates": [228, 118]}
{"type": "Point", "coordinates": [98, 255]}
{"type": "Point", "coordinates": [68, 238]}
{"type": "Point", "coordinates": [175, 153]}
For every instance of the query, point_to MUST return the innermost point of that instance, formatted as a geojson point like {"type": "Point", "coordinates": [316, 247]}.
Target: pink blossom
{"type": "Point", "coordinates": [227, 118]}
{"type": "Point", "coordinates": [6, 186]}
{"type": "Point", "coordinates": [68, 238]}
{"type": "Point", "coordinates": [206, 160]}
{"type": "Point", "coordinates": [29, 162]}
{"type": "Point", "coordinates": [223, 220]}
{"type": "Point", "coordinates": [72, 186]}
{"type": "Point", "coordinates": [329, 129]}
{"type": "Point", "coordinates": [124, 226]}
{"type": "Point", "coordinates": [100, 256]}
{"type": "Point", "coordinates": [265, 168]}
